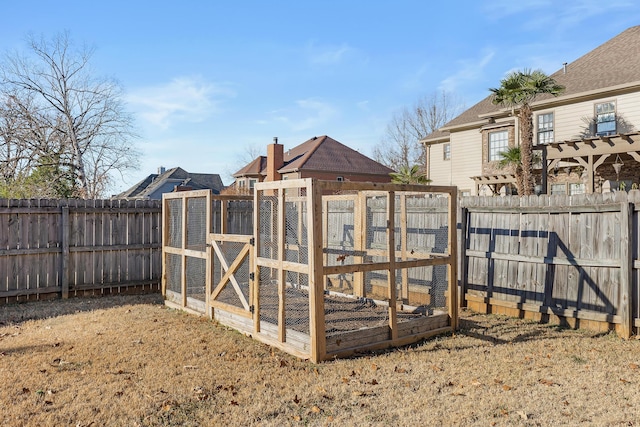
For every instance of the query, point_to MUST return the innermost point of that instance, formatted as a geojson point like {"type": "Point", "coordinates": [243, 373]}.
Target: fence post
{"type": "Point", "coordinates": [626, 269]}
{"type": "Point", "coordinates": [65, 252]}
{"type": "Point", "coordinates": [453, 257]}
{"type": "Point", "coordinates": [463, 261]}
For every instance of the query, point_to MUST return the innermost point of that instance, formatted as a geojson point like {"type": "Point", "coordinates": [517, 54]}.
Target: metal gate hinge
{"type": "Point", "coordinates": [252, 309]}
{"type": "Point", "coordinates": [252, 276]}
{"type": "Point", "coordinates": [252, 241]}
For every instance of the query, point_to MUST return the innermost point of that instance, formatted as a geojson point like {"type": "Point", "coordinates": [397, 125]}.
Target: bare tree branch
{"type": "Point", "coordinates": [72, 116]}
{"type": "Point", "coordinates": [400, 146]}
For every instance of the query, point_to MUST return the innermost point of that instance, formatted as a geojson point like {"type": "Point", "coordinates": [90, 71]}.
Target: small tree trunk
{"type": "Point", "coordinates": [526, 149]}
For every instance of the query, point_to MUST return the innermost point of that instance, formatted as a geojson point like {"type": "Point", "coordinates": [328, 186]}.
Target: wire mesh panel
{"type": "Point", "coordinates": [347, 312]}
{"type": "Point", "coordinates": [174, 273]}
{"type": "Point", "coordinates": [174, 223]}
{"type": "Point", "coordinates": [425, 289]}
{"type": "Point", "coordinates": [197, 223]}
{"type": "Point", "coordinates": [297, 302]}
{"type": "Point", "coordinates": [186, 218]}
{"type": "Point", "coordinates": [240, 217]}
{"type": "Point", "coordinates": [295, 231]}
{"type": "Point", "coordinates": [268, 228]}
{"type": "Point", "coordinates": [268, 295]}
{"type": "Point", "coordinates": [376, 226]}
{"type": "Point", "coordinates": [341, 240]}
{"type": "Point", "coordinates": [195, 272]}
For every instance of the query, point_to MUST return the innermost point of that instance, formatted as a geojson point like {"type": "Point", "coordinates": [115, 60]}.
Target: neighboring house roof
{"type": "Point", "coordinates": [322, 154]}
{"type": "Point", "coordinates": [613, 64]}
{"type": "Point", "coordinates": [154, 185]}
{"type": "Point", "coordinates": [258, 165]}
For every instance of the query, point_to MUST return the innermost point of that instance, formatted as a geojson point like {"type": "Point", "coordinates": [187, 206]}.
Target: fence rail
{"type": "Point", "coordinates": [51, 248]}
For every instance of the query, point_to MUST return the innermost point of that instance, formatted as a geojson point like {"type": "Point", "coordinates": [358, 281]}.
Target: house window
{"type": "Point", "coordinates": [252, 183]}
{"type": "Point", "coordinates": [446, 151]}
{"type": "Point", "coordinates": [545, 128]}
{"type": "Point", "coordinates": [498, 143]}
{"type": "Point", "coordinates": [558, 189]}
{"type": "Point", "coordinates": [576, 188]}
{"type": "Point", "coordinates": [340, 178]}
{"type": "Point", "coordinates": [605, 118]}
{"type": "Point", "coordinates": [241, 183]}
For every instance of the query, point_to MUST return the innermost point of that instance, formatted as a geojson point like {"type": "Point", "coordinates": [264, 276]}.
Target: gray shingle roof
{"type": "Point", "coordinates": [155, 184]}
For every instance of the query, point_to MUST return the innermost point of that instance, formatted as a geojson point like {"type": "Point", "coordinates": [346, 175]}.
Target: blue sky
{"type": "Point", "coordinates": [208, 80]}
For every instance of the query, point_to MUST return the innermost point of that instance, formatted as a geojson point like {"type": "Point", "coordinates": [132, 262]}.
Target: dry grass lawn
{"type": "Point", "coordinates": [129, 361]}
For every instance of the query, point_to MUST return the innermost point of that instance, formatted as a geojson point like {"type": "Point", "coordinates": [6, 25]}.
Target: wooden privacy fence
{"type": "Point", "coordinates": [321, 275]}
{"type": "Point", "coordinates": [51, 248]}
{"type": "Point", "coordinates": [571, 260]}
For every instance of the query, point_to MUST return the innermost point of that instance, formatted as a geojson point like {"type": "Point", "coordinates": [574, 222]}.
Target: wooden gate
{"type": "Point", "coordinates": [232, 274]}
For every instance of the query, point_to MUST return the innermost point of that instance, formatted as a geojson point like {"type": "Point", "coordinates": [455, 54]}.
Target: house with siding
{"type": "Point", "coordinates": [170, 180]}
{"type": "Point", "coordinates": [320, 157]}
{"type": "Point", "coordinates": [587, 138]}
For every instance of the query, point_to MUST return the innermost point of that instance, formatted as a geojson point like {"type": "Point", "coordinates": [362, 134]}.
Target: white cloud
{"type": "Point", "coordinates": [184, 99]}
{"type": "Point", "coordinates": [327, 55]}
{"type": "Point", "coordinates": [363, 105]}
{"type": "Point", "coordinates": [307, 114]}
{"type": "Point", "coordinates": [467, 72]}
{"type": "Point", "coordinates": [552, 15]}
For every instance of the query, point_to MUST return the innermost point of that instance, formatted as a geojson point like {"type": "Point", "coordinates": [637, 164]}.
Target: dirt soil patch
{"type": "Point", "coordinates": [128, 360]}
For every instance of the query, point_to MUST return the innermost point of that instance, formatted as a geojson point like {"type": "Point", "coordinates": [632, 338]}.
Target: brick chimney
{"type": "Point", "coordinates": [275, 160]}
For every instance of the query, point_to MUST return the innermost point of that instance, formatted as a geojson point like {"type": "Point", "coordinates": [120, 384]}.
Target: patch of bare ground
{"type": "Point", "coordinates": [130, 361]}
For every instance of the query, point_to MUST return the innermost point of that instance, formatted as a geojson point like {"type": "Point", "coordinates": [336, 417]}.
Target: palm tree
{"type": "Point", "coordinates": [517, 90]}
{"type": "Point", "coordinates": [409, 175]}
{"type": "Point", "coordinates": [512, 158]}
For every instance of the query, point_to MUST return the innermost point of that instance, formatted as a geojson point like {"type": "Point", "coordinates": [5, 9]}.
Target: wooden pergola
{"type": "Point", "coordinates": [590, 153]}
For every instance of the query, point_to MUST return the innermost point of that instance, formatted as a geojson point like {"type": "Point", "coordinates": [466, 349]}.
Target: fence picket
{"type": "Point", "coordinates": [36, 262]}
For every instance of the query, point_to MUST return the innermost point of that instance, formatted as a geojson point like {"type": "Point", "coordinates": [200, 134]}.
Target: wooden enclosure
{"type": "Point", "coordinates": [330, 269]}
{"type": "Point", "coordinates": [59, 248]}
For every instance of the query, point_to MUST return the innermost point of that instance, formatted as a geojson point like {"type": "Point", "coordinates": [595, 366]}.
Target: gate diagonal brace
{"type": "Point", "coordinates": [229, 273]}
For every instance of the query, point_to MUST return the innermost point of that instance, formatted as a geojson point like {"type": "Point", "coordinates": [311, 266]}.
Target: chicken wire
{"type": "Point", "coordinates": [339, 230]}
{"type": "Point", "coordinates": [296, 302]}
{"type": "Point", "coordinates": [174, 223]}
{"type": "Point", "coordinates": [268, 226]}
{"type": "Point", "coordinates": [268, 300]}
{"type": "Point", "coordinates": [197, 223]}
{"type": "Point", "coordinates": [295, 232]}
{"type": "Point", "coordinates": [419, 291]}
{"type": "Point", "coordinates": [195, 274]}
{"type": "Point", "coordinates": [376, 226]}
{"type": "Point", "coordinates": [174, 273]}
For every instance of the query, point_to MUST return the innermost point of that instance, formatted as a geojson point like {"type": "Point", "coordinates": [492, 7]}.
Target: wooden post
{"type": "Point", "coordinates": [165, 241]}
{"type": "Point", "coordinates": [65, 252]}
{"type": "Point", "coordinates": [626, 269]}
{"type": "Point", "coordinates": [464, 261]}
{"type": "Point", "coordinates": [317, 329]}
{"type": "Point", "coordinates": [209, 259]}
{"type": "Point", "coordinates": [183, 257]}
{"type": "Point", "coordinates": [359, 241]}
{"type": "Point", "coordinates": [255, 283]}
{"type": "Point", "coordinates": [453, 259]}
{"type": "Point", "coordinates": [391, 277]}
